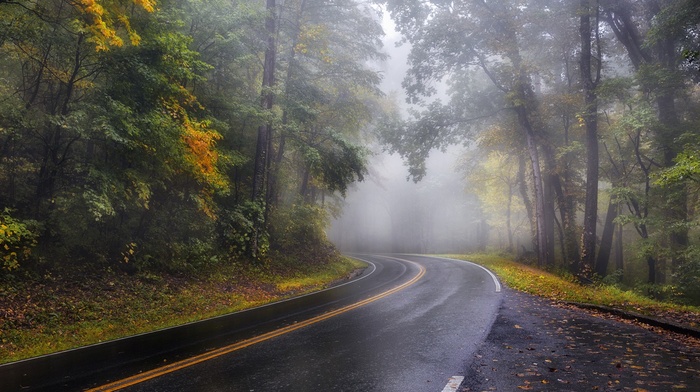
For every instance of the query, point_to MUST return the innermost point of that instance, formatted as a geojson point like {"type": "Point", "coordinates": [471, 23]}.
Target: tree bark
{"type": "Point", "coordinates": [606, 241]}
{"type": "Point", "coordinates": [267, 101]}
{"type": "Point", "coordinates": [508, 219]}
{"type": "Point", "coordinates": [543, 258]}
{"type": "Point", "coordinates": [276, 164]}
{"type": "Point", "coordinates": [524, 194]}
{"type": "Point", "coordinates": [619, 250]}
{"type": "Point", "coordinates": [549, 179]}
{"type": "Point", "coordinates": [261, 162]}
{"type": "Point", "coordinates": [590, 217]}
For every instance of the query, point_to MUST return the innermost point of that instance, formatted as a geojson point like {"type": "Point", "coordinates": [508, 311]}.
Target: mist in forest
{"type": "Point", "coordinates": [388, 212]}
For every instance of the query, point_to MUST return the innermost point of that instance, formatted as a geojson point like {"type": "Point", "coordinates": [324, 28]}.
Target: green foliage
{"type": "Point", "coordinates": [337, 163]}
{"type": "Point", "coordinates": [620, 88]}
{"type": "Point", "coordinates": [299, 230]}
{"type": "Point", "coordinates": [660, 292]}
{"type": "Point", "coordinates": [686, 168]}
{"type": "Point", "coordinates": [236, 226]}
{"type": "Point", "coordinates": [614, 279]}
{"type": "Point", "coordinates": [687, 276]}
{"type": "Point", "coordinates": [124, 124]}
{"type": "Point", "coordinates": [301, 225]}
{"type": "Point", "coordinates": [17, 239]}
{"type": "Point", "coordinates": [436, 127]}
{"type": "Point", "coordinates": [678, 20]}
{"type": "Point", "coordinates": [658, 80]}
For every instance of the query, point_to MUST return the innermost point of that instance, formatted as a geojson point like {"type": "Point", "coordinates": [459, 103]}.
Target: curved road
{"type": "Point", "coordinates": [410, 324]}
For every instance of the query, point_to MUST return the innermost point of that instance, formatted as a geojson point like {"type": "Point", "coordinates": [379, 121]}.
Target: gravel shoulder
{"type": "Point", "coordinates": [536, 344]}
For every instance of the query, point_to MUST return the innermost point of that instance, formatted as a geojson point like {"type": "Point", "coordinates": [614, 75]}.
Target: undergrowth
{"type": "Point", "coordinates": [565, 288]}
{"type": "Point", "coordinates": [53, 313]}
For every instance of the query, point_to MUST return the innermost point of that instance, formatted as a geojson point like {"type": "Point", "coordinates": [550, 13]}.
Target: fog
{"type": "Point", "coordinates": [387, 213]}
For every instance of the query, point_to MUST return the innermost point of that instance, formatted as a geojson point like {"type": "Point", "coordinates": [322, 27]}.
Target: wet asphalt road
{"type": "Point", "coordinates": [536, 344]}
{"type": "Point", "coordinates": [414, 339]}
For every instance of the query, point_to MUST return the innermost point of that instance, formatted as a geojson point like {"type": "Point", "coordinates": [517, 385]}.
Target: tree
{"type": "Point", "coordinates": [589, 82]}
{"type": "Point", "coordinates": [497, 176]}
{"type": "Point", "coordinates": [656, 60]}
{"type": "Point", "coordinates": [492, 39]}
{"type": "Point", "coordinates": [264, 140]}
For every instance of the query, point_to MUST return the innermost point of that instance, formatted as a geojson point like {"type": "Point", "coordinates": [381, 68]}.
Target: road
{"type": "Point", "coordinates": [409, 325]}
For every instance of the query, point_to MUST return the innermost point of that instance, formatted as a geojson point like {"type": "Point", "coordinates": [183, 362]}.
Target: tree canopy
{"type": "Point", "coordinates": [127, 129]}
{"type": "Point", "coordinates": [590, 93]}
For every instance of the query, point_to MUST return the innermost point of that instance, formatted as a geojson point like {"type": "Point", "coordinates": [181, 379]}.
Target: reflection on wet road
{"type": "Point", "coordinates": [409, 325]}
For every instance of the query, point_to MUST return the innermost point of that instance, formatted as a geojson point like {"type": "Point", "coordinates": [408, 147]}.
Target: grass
{"type": "Point", "coordinates": [55, 313]}
{"type": "Point", "coordinates": [564, 288]}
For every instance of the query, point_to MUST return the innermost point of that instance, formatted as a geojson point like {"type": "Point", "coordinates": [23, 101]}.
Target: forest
{"type": "Point", "coordinates": [582, 118]}
{"type": "Point", "coordinates": [175, 134]}
{"type": "Point", "coordinates": [171, 135]}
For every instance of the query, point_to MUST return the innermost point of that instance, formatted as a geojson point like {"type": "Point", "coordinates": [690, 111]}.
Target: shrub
{"type": "Point", "coordinates": [17, 238]}
{"type": "Point", "coordinates": [687, 276]}
{"type": "Point", "coordinates": [300, 230]}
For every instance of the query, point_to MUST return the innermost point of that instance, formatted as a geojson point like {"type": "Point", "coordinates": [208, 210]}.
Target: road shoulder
{"type": "Point", "coordinates": [535, 344]}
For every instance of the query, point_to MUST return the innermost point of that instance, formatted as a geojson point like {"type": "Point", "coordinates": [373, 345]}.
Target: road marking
{"type": "Point", "coordinates": [175, 366]}
{"type": "Point", "coordinates": [495, 279]}
{"type": "Point", "coordinates": [453, 384]}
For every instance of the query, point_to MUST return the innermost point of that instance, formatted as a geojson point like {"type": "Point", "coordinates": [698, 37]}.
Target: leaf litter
{"type": "Point", "coordinates": [539, 344]}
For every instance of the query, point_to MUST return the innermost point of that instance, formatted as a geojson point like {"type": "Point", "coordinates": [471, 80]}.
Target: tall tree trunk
{"type": "Point", "coordinates": [524, 194]}
{"type": "Point", "coordinates": [590, 216]}
{"type": "Point", "coordinates": [651, 265]}
{"type": "Point", "coordinates": [261, 163]}
{"type": "Point", "coordinates": [549, 180]}
{"type": "Point", "coordinates": [276, 164]}
{"type": "Point", "coordinates": [524, 103]}
{"type": "Point", "coordinates": [606, 241]}
{"type": "Point", "coordinates": [508, 218]}
{"type": "Point", "coordinates": [542, 257]}
{"type": "Point", "coordinates": [304, 186]}
{"type": "Point", "coordinates": [619, 250]}
{"type": "Point", "coordinates": [676, 206]}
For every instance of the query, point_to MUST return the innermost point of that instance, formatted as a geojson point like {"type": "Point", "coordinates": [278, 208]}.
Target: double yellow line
{"type": "Point", "coordinates": [175, 366]}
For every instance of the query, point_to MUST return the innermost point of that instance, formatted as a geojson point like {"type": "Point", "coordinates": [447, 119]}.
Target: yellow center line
{"type": "Point", "coordinates": [175, 366]}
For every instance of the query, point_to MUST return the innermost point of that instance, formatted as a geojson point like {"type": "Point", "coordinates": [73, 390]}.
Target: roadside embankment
{"type": "Point", "coordinates": [595, 297]}
{"type": "Point", "coordinates": [60, 311]}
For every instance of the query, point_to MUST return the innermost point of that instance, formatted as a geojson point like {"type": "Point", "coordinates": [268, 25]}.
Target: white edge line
{"type": "Point", "coordinates": [453, 384]}
{"type": "Point", "coordinates": [495, 279]}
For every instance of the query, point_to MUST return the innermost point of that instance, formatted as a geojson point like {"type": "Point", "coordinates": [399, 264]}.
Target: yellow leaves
{"type": "Point", "coordinates": [312, 41]}
{"type": "Point", "coordinates": [16, 241]}
{"type": "Point", "coordinates": [92, 7]}
{"type": "Point", "coordinates": [493, 182]}
{"type": "Point", "coordinates": [201, 147]}
{"type": "Point", "coordinates": [103, 19]}
{"type": "Point", "coordinates": [200, 153]}
{"type": "Point", "coordinates": [301, 48]}
{"type": "Point", "coordinates": [102, 34]}
{"type": "Point", "coordinates": [129, 253]}
{"type": "Point", "coordinates": [148, 5]}
{"type": "Point", "coordinates": [580, 120]}
{"type": "Point", "coordinates": [133, 35]}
